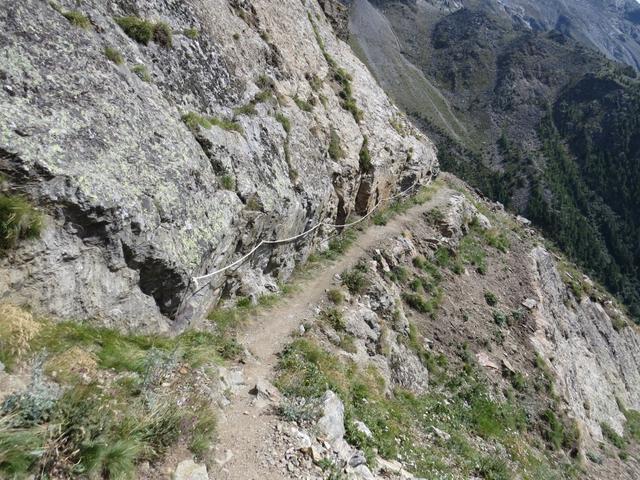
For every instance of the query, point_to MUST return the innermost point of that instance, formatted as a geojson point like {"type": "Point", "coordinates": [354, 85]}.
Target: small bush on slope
{"type": "Point", "coordinates": [18, 221]}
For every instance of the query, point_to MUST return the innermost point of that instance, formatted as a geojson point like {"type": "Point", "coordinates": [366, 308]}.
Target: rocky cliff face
{"type": "Point", "coordinates": [276, 113]}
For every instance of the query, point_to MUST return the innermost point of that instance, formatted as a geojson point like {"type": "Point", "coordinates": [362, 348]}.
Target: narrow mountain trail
{"type": "Point", "coordinates": [243, 446]}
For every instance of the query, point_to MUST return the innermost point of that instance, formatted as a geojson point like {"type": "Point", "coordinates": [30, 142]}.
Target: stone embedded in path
{"type": "Point", "coordinates": [264, 394]}
{"type": "Point", "coordinates": [190, 470]}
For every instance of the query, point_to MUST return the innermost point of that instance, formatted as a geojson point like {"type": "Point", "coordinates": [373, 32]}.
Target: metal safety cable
{"type": "Point", "coordinates": [197, 280]}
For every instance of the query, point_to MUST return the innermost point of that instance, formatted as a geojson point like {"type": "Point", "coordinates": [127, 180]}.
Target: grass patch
{"type": "Point", "coordinates": [460, 404]}
{"type": "Point", "coordinates": [303, 105]}
{"type": "Point", "coordinates": [144, 31]}
{"type": "Point", "coordinates": [136, 28]}
{"type": "Point", "coordinates": [335, 147]}
{"type": "Point", "coordinates": [284, 121]}
{"type": "Point", "coordinates": [355, 279]}
{"type": "Point", "coordinates": [192, 33]}
{"type": "Point", "coordinates": [194, 121]}
{"type": "Point", "coordinates": [142, 73]}
{"type": "Point", "coordinates": [113, 55]}
{"type": "Point", "coordinates": [249, 110]}
{"type": "Point", "coordinates": [99, 430]}
{"type": "Point", "coordinates": [335, 296]}
{"type": "Point", "coordinates": [19, 220]}
{"type": "Point", "coordinates": [612, 436]}
{"type": "Point", "coordinates": [364, 156]}
{"type": "Point", "coordinates": [228, 182]}
{"type": "Point", "coordinates": [490, 298]}
{"type": "Point", "coordinates": [77, 19]}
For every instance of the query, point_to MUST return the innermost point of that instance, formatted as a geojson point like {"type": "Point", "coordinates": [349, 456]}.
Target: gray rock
{"type": "Point", "coordinates": [407, 371]}
{"type": "Point", "coordinates": [362, 428]}
{"type": "Point", "coordinates": [189, 470]}
{"type": "Point", "coordinates": [331, 424]}
{"type": "Point", "coordinates": [595, 365]}
{"type": "Point", "coordinates": [264, 394]}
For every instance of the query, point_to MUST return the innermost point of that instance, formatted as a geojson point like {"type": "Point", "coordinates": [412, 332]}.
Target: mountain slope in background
{"type": "Point", "coordinates": [541, 121]}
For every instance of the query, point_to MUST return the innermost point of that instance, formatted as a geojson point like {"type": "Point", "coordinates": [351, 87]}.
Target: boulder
{"type": "Point", "coordinates": [331, 424]}
{"type": "Point", "coordinates": [189, 470]}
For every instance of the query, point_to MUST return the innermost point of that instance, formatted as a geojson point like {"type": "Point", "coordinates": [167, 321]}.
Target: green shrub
{"type": "Point", "coordinates": [303, 105]}
{"type": "Point", "coordinates": [114, 55]}
{"type": "Point", "coordinates": [249, 110]}
{"type": "Point", "coordinates": [19, 220]}
{"type": "Point", "coordinates": [499, 318]}
{"type": "Point", "coordinates": [557, 434]}
{"type": "Point", "coordinates": [335, 296]}
{"type": "Point", "coordinates": [194, 120]}
{"type": "Point", "coordinates": [229, 125]}
{"type": "Point", "coordinates": [334, 318]}
{"type": "Point", "coordinates": [365, 157]}
{"type": "Point", "coordinates": [142, 73]}
{"type": "Point", "coordinates": [494, 468]}
{"type": "Point", "coordinates": [140, 30]}
{"type": "Point", "coordinates": [163, 35]}
{"type": "Point", "coordinates": [228, 182]}
{"type": "Point", "coordinates": [335, 147]}
{"type": "Point", "coordinates": [78, 19]}
{"type": "Point", "coordinates": [490, 298]}
{"type": "Point", "coordinates": [284, 121]}
{"type": "Point", "coordinates": [192, 33]}
{"type": "Point", "coordinates": [632, 427]}
{"type": "Point", "coordinates": [611, 435]}
{"type": "Point", "coordinates": [262, 96]}
{"type": "Point", "coordinates": [355, 280]}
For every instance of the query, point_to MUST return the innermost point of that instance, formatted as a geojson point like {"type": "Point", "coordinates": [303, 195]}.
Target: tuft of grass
{"type": "Point", "coordinates": [19, 220]}
{"type": "Point", "coordinates": [334, 318]}
{"type": "Point", "coordinates": [365, 157]}
{"type": "Point", "coordinates": [77, 19]}
{"type": "Point", "coordinates": [355, 279]}
{"type": "Point", "coordinates": [136, 28]}
{"type": "Point", "coordinates": [99, 430]}
{"type": "Point", "coordinates": [610, 434]}
{"type": "Point", "coordinates": [249, 110]}
{"type": "Point", "coordinates": [163, 35]}
{"type": "Point", "coordinates": [284, 121]}
{"type": "Point", "coordinates": [194, 120]}
{"type": "Point", "coordinates": [335, 147]}
{"type": "Point", "coordinates": [303, 105]}
{"type": "Point", "coordinates": [17, 330]}
{"type": "Point", "coordinates": [142, 72]}
{"type": "Point", "coordinates": [490, 298]}
{"type": "Point", "coordinates": [228, 182]}
{"type": "Point", "coordinates": [335, 296]}
{"type": "Point", "coordinates": [114, 55]}
{"type": "Point", "coordinates": [191, 33]}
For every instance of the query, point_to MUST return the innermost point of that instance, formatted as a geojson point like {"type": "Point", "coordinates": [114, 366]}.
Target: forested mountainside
{"type": "Point", "coordinates": [534, 117]}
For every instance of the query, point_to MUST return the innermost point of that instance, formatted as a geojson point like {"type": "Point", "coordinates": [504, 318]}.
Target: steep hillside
{"type": "Point", "coordinates": [507, 84]}
{"type": "Point", "coordinates": [162, 141]}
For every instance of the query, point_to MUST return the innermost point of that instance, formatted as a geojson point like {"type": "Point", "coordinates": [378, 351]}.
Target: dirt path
{"type": "Point", "coordinates": [244, 432]}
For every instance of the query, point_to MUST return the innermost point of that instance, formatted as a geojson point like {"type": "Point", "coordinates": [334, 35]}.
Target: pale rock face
{"type": "Point", "coordinates": [595, 365]}
{"type": "Point", "coordinates": [135, 202]}
{"type": "Point", "coordinates": [189, 470]}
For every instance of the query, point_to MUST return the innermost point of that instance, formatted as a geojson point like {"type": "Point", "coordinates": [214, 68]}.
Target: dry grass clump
{"type": "Point", "coordinates": [17, 329]}
{"type": "Point", "coordinates": [75, 364]}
